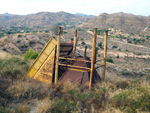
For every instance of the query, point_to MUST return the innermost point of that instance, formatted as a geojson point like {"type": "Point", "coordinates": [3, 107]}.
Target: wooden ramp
{"type": "Point", "coordinates": [43, 67]}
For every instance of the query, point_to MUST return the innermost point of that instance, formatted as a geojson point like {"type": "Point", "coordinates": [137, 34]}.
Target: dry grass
{"type": "Point", "coordinates": [106, 97]}
{"type": "Point", "coordinates": [44, 105]}
{"type": "Point", "coordinates": [68, 86]}
{"type": "Point", "coordinates": [20, 89]}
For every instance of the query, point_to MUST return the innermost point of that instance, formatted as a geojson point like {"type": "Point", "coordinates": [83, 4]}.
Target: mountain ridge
{"type": "Point", "coordinates": [40, 19]}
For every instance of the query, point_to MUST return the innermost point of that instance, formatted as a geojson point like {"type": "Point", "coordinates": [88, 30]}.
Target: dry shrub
{"type": "Point", "coordinates": [109, 86]}
{"type": "Point", "coordinates": [68, 86]}
{"type": "Point", "coordinates": [123, 84]}
{"type": "Point", "coordinates": [22, 89]}
{"type": "Point", "coordinates": [44, 106]}
{"type": "Point", "coordinates": [112, 110]}
{"type": "Point", "coordinates": [23, 109]}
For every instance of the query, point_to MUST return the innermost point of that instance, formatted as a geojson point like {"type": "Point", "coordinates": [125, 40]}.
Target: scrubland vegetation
{"type": "Point", "coordinates": [19, 94]}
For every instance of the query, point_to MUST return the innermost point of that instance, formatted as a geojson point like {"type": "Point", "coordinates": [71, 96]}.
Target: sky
{"type": "Point", "coordinates": [94, 7]}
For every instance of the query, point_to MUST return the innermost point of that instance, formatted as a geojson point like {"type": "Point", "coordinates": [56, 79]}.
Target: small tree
{"type": "Point", "coordinates": [30, 54]}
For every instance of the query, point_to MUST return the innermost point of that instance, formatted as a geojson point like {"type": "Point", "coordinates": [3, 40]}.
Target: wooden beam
{"type": "Point", "coordinates": [93, 57]}
{"type": "Point", "coordinates": [57, 55]}
{"type": "Point", "coordinates": [105, 55]}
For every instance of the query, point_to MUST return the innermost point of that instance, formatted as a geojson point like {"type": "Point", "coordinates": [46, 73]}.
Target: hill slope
{"type": "Point", "coordinates": [128, 23]}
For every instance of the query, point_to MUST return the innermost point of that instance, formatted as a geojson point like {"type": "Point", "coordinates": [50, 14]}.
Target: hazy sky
{"type": "Point", "coordinates": [95, 7]}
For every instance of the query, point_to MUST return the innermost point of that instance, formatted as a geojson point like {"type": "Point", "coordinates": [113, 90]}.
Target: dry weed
{"type": "Point", "coordinates": [112, 110]}
{"type": "Point", "coordinates": [68, 86]}
{"type": "Point", "coordinates": [23, 89]}
{"type": "Point", "coordinates": [44, 105]}
{"type": "Point", "coordinates": [23, 109]}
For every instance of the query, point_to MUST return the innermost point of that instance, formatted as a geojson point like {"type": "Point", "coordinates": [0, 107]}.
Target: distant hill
{"type": "Point", "coordinates": [81, 14]}
{"type": "Point", "coordinates": [40, 19]}
{"type": "Point", "coordinates": [123, 21]}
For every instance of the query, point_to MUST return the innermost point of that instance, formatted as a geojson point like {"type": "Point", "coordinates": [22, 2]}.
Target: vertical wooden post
{"type": "Point", "coordinates": [85, 51]}
{"type": "Point", "coordinates": [105, 54]}
{"type": "Point", "coordinates": [57, 55]}
{"type": "Point", "coordinates": [75, 43]}
{"type": "Point", "coordinates": [93, 57]}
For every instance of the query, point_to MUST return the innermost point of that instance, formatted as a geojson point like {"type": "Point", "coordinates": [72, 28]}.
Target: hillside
{"type": "Point", "coordinates": [127, 82]}
{"type": "Point", "coordinates": [127, 23]}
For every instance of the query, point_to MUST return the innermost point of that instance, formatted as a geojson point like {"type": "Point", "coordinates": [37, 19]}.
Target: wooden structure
{"type": "Point", "coordinates": [46, 66]}
{"type": "Point", "coordinates": [81, 68]}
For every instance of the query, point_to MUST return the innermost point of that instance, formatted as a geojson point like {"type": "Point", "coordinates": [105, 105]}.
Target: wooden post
{"type": "Point", "coordinates": [57, 55]}
{"type": "Point", "coordinates": [93, 57]}
{"type": "Point", "coordinates": [105, 55]}
{"type": "Point", "coordinates": [85, 51]}
{"type": "Point", "coordinates": [75, 43]}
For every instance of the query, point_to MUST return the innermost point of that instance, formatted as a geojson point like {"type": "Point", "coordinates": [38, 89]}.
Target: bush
{"type": "Point", "coordinates": [114, 46]}
{"type": "Point", "coordinates": [119, 49]}
{"type": "Point", "coordinates": [100, 45]}
{"type": "Point", "coordinates": [30, 54]}
{"type": "Point", "coordinates": [132, 100]}
{"type": "Point", "coordinates": [139, 53]}
{"type": "Point", "coordinates": [83, 43]}
{"type": "Point", "coordinates": [19, 36]}
{"type": "Point", "coordinates": [78, 29]}
{"type": "Point", "coordinates": [13, 67]}
{"type": "Point", "coordinates": [117, 56]}
{"type": "Point", "coordinates": [148, 37]}
{"type": "Point", "coordinates": [64, 32]}
{"type": "Point", "coordinates": [109, 60]}
{"type": "Point", "coordinates": [129, 41]}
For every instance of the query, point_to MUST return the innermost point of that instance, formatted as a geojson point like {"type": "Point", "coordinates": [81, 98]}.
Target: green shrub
{"type": "Point", "coordinates": [139, 53]}
{"type": "Point", "coordinates": [46, 31]}
{"type": "Point", "coordinates": [83, 43]}
{"type": "Point", "coordinates": [4, 110]}
{"type": "Point", "coordinates": [109, 60]}
{"type": "Point", "coordinates": [72, 39]}
{"type": "Point", "coordinates": [13, 67]}
{"type": "Point", "coordinates": [131, 100]}
{"type": "Point", "coordinates": [119, 49]}
{"type": "Point", "coordinates": [101, 45]}
{"type": "Point", "coordinates": [30, 54]}
{"type": "Point", "coordinates": [129, 41]}
{"type": "Point", "coordinates": [78, 29]}
{"type": "Point", "coordinates": [148, 37]}
{"type": "Point", "coordinates": [19, 36]}
{"type": "Point", "coordinates": [114, 46]}
{"type": "Point", "coordinates": [64, 32]}
{"type": "Point", "coordinates": [117, 56]}
{"type": "Point", "coordinates": [134, 39]}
